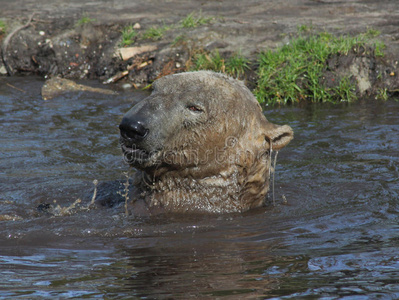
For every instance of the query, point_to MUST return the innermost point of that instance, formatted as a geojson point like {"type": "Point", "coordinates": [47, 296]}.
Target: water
{"type": "Point", "coordinates": [334, 232]}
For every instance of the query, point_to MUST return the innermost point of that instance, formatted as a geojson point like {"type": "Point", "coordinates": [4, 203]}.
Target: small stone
{"type": "Point", "coordinates": [126, 86]}
{"type": "Point", "coordinates": [3, 70]}
{"type": "Point", "coordinates": [129, 52]}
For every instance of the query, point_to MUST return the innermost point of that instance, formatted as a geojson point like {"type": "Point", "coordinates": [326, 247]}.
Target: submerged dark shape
{"type": "Point", "coordinates": [202, 144]}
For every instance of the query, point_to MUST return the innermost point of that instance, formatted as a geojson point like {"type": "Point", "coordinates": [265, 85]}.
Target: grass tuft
{"type": "Point", "coordinates": [345, 91]}
{"type": "Point", "coordinates": [192, 20]}
{"type": "Point", "coordinates": [128, 36]}
{"type": "Point", "coordinates": [379, 48]}
{"type": "Point", "coordinates": [207, 61]}
{"type": "Point", "coordinates": [382, 94]}
{"type": "Point", "coordinates": [2, 27]}
{"type": "Point", "coordinates": [179, 40]}
{"type": "Point", "coordinates": [235, 66]}
{"type": "Point", "coordinates": [84, 20]}
{"type": "Point", "coordinates": [155, 33]}
{"type": "Point", "coordinates": [372, 33]}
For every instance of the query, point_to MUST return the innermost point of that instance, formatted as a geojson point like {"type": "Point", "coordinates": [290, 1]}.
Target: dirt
{"type": "Point", "coordinates": [53, 43]}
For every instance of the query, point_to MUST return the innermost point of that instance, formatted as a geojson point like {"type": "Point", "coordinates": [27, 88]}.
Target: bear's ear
{"type": "Point", "coordinates": [278, 135]}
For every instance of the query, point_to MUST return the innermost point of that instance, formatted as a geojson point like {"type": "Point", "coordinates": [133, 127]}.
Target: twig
{"type": "Point", "coordinates": [7, 41]}
{"type": "Point", "coordinates": [116, 77]}
{"type": "Point", "coordinates": [138, 66]}
{"type": "Point", "coordinates": [14, 87]}
{"type": "Point", "coordinates": [93, 199]}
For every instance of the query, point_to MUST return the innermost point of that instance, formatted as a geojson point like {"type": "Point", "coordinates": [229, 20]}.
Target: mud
{"type": "Point", "coordinates": [54, 44]}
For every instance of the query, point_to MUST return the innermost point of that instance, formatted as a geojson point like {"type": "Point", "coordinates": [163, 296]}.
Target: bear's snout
{"type": "Point", "coordinates": [133, 129]}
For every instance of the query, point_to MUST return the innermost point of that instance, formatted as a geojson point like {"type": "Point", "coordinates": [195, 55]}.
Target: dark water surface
{"type": "Point", "coordinates": [335, 237]}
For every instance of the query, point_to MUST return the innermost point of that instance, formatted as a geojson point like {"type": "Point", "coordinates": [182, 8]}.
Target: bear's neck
{"type": "Point", "coordinates": [227, 193]}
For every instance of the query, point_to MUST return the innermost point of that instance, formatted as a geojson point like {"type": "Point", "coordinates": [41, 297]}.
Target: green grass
{"type": "Point", "coordinates": [235, 66]}
{"type": "Point", "coordinates": [128, 36]}
{"type": "Point", "coordinates": [294, 71]}
{"type": "Point", "coordinates": [2, 27]}
{"type": "Point", "coordinates": [179, 39]}
{"type": "Point", "coordinates": [192, 20]}
{"type": "Point", "coordinates": [372, 33]}
{"type": "Point", "coordinates": [201, 61]}
{"type": "Point", "coordinates": [207, 61]}
{"type": "Point", "coordinates": [382, 94]}
{"type": "Point", "coordinates": [304, 28]}
{"type": "Point", "coordinates": [345, 91]}
{"type": "Point", "coordinates": [155, 33]}
{"type": "Point", "coordinates": [84, 20]}
{"type": "Point", "coordinates": [379, 48]}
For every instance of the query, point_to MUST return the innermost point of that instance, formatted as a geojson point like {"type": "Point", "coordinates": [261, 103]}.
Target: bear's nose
{"type": "Point", "coordinates": [133, 130]}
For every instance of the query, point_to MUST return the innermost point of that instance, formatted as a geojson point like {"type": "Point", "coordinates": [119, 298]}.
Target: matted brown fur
{"type": "Point", "coordinates": [202, 143]}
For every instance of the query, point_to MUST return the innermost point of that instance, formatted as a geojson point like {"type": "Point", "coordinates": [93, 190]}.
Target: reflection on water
{"type": "Point", "coordinates": [336, 236]}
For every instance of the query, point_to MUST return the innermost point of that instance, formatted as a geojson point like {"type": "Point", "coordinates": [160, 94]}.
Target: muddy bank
{"type": "Point", "coordinates": [83, 40]}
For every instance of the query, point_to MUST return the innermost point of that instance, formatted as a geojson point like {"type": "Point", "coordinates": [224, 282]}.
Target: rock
{"type": "Point", "coordinates": [359, 69]}
{"type": "Point", "coordinates": [3, 70]}
{"type": "Point", "coordinates": [129, 52]}
{"type": "Point", "coordinates": [58, 86]}
{"type": "Point", "coordinates": [126, 86]}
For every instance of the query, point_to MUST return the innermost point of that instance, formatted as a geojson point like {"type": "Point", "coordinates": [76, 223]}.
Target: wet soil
{"type": "Point", "coordinates": [54, 44]}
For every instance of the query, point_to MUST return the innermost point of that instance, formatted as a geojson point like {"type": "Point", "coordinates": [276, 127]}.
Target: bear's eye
{"type": "Point", "coordinates": [194, 108]}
